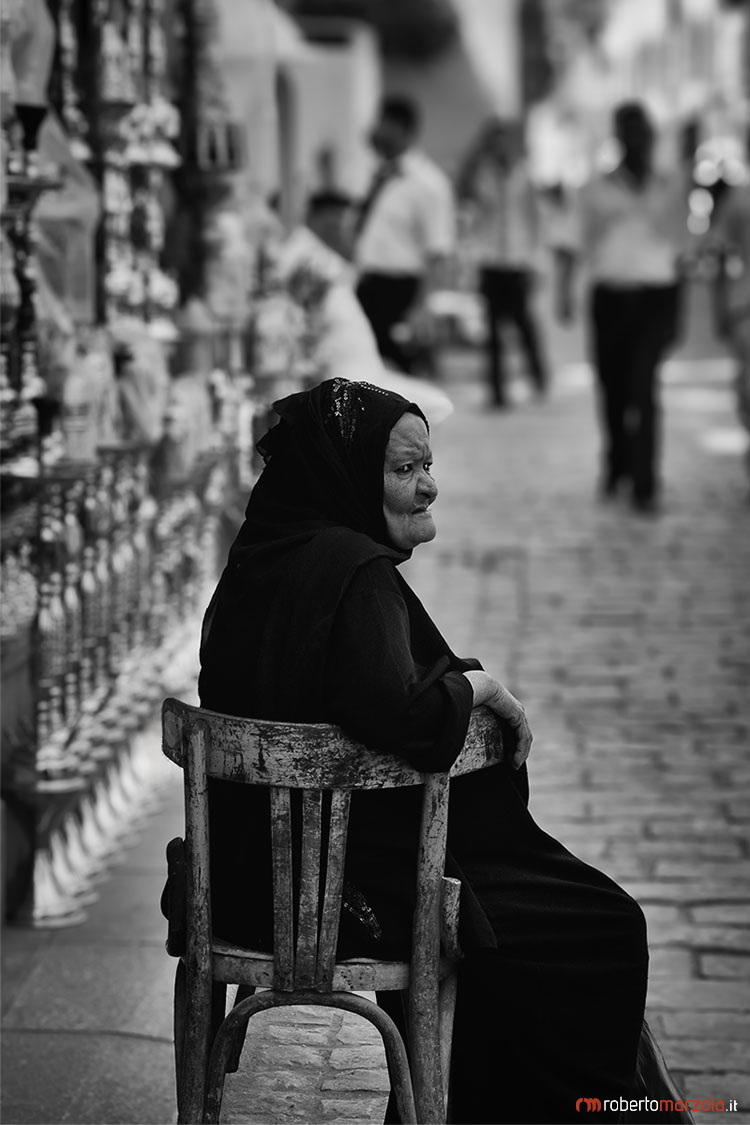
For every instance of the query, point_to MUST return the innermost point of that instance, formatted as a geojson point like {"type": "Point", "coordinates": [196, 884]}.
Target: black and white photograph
{"type": "Point", "coordinates": [375, 562]}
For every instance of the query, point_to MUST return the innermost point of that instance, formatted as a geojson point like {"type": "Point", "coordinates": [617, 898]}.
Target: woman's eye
{"type": "Point", "coordinates": [428, 466]}
{"type": "Point", "coordinates": [404, 470]}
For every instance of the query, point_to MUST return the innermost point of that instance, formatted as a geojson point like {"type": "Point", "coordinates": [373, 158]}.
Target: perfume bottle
{"type": "Point", "coordinates": [73, 642]}
{"type": "Point", "coordinates": [89, 622]}
{"type": "Point", "coordinates": [104, 668]}
{"type": "Point", "coordinates": [50, 624]}
{"type": "Point", "coordinates": [58, 639]}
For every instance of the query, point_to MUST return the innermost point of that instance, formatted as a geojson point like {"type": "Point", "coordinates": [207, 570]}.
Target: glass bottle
{"type": "Point", "coordinates": [89, 621]}
{"type": "Point", "coordinates": [73, 641]}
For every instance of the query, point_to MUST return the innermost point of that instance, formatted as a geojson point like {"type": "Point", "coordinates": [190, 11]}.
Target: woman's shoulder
{"type": "Point", "coordinates": [355, 563]}
{"type": "Point", "coordinates": [349, 558]}
{"type": "Point", "coordinates": [376, 575]}
{"type": "Point", "coordinates": [349, 545]}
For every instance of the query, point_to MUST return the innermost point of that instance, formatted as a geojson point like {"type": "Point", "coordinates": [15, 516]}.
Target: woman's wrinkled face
{"type": "Point", "coordinates": [408, 487]}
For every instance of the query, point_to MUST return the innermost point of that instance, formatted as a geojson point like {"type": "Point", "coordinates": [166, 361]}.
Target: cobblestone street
{"type": "Point", "coordinates": [628, 638]}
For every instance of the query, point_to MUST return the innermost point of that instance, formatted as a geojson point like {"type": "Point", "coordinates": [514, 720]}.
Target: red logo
{"type": "Point", "coordinates": [593, 1105]}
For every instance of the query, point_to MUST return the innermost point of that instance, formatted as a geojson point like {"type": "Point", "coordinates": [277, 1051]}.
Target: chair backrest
{"type": "Point", "coordinates": [325, 765]}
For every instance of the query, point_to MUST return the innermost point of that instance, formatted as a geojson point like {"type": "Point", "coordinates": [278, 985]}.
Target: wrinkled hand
{"type": "Point", "coordinates": [489, 693]}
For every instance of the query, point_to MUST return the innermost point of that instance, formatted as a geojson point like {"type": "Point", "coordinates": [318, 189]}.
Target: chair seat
{"type": "Point", "coordinates": [234, 964]}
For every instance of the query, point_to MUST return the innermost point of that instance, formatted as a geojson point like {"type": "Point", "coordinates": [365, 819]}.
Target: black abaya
{"type": "Point", "coordinates": [311, 622]}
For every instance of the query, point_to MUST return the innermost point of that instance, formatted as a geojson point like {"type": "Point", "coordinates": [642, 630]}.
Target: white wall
{"type": "Point", "coordinates": [490, 34]}
{"type": "Point", "coordinates": [252, 40]}
{"type": "Point", "coordinates": [339, 87]}
{"type": "Point", "coordinates": [293, 98]}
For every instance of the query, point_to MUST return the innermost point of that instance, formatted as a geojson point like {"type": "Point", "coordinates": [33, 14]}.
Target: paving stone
{"type": "Point", "coordinates": [660, 916]}
{"type": "Point", "coordinates": [667, 961]}
{"type": "Point", "coordinates": [276, 1075]}
{"type": "Point", "coordinates": [93, 988]}
{"type": "Point", "coordinates": [347, 1110]}
{"type": "Point", "coordinates": [699, 995]}
{"type": "Point", "coordinates": [704, 1054]}
{"type": "Point", "coordinates": [322, 1017]}
{"type": "Point", "coordinates": [729, 1085]}
{"type": "Point", "coordinates": [301, 1034]}
{"type": "Point", "coordinates": [360, 1032]}
{"type": "Point", "coordinates": [689, 892]}
{"type": "Point", "coordinates": [688, 851]}
{"type": "Point", "coordinates": [708, 1025]}
{"type": "Point", "coordinates": [690, 830]}
{"type": "Point", "coordinates": [726, 913]}
{"type": "Point", "coordinates": [90, 1079]}
{"type": "Point", "coordinates": [724, 966]}
{"type": "Point", "coordinates": [21, 949]}
{"type": "Point", "coordinates": [353, 1058]}
{"type": "Point", "coordinates": [360, 1079]}
{"type": "Point", "coordinates": [734, 938]}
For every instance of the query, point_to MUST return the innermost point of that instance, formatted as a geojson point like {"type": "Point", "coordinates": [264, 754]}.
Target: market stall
{"type": "Point", "coordinates": [119, 434]}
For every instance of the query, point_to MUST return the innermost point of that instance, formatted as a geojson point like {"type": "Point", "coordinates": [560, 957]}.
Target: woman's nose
{"type": "Point", "coordinates": [427, 486]}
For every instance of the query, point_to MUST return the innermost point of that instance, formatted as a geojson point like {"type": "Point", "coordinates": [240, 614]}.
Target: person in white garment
{"type": "Point", "coordinates": [632, 236]}
{"type": "Point", "coordinates": [345, 344]}
{"type": "Point", "coordinates": [404, 233]}
{"type": "Point", "coordinates": [505, 232]}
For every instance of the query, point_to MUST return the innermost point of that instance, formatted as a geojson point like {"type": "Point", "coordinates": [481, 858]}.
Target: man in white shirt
{"type": "Point", "coordinates": [633, 231]}
{"type": "Point", "coordinates": [505, 237]}
{"type": "Point", "coordinates": [405, 233]}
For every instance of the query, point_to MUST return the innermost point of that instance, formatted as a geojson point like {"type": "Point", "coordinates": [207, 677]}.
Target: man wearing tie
{"type": "Point", "coordinates": [405, 231]}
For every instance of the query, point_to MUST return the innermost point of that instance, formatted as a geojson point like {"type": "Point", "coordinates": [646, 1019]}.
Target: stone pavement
{"type": "Point", "coordinates": [629, 641]}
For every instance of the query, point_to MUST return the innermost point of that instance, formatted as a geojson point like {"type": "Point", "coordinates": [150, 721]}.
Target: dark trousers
{"type": "Point", "coordinates": [632, 328]}
{"type": "Point", "coordinates": [506, 294]}
{"type": "Point", "coordinates": [387, 300]}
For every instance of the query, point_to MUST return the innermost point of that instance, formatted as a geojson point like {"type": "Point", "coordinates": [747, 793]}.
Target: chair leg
{"type": "Point", "coordinates": [233, 1063]}
{"type": "Point", "coordinates": [394, 1004]}
{"type": "Point", "coordinates": [197, 1046]}
{"type": "Point", "coordinates": [399, 1071]}
{"type": "Point", "coordinates": [426, 1073]}
{"type": "Point", "coordinates": [180, 1006]}
{"type": "Point", "coordinates": [447, 1012]}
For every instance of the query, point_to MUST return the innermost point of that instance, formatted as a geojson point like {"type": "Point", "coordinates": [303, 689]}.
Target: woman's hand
{"type": "Point", "coordinates": [489, 693]}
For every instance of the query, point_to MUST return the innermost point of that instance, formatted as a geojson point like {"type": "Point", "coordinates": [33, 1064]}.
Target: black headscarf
{"type": "Point", "coordinates": [314, 517]}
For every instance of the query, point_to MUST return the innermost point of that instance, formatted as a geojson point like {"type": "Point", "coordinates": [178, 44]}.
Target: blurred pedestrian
{"type": "Point", "coordinates": [329, 216]}
{"type": "Point", "coordinates": [632, 233]}
{"type": "Point", "coordinates": [405, 233]}
{"type": "Point", "coordinates": [506, 232]}
{"type": "Point", "coordinates": [559, 212]}
{"type": "Point", "coordinates": [730, 233]}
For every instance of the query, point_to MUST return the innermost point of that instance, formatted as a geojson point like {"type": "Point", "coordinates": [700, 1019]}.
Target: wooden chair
{"type": "Point", "coordinates": [313, 759]}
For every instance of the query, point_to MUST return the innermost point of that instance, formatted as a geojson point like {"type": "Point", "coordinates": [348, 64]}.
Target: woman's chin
{"type": "Point", "coordinates": [426, 532]}
{"type": "Point", "coordinates": [419, 529]}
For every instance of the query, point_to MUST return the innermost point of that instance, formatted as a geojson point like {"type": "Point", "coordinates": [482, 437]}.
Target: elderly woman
{"type": "Point", "coordinates": [311, 622]}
